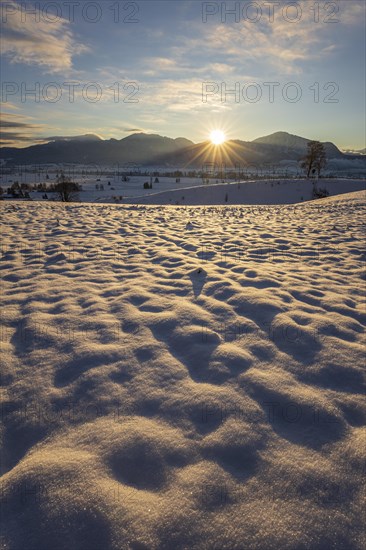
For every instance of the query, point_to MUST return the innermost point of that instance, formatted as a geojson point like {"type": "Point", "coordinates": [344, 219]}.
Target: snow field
{"type": "Point", "coordinates": [183, 377]}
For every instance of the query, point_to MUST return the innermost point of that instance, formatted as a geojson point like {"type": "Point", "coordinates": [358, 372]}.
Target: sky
{"type": "Point", "coordinates": [183, 68]}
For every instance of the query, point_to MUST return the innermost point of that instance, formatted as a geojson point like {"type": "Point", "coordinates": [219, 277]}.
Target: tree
{"type": "Point", "coordinates": [315, 159]}
{"type": "Point", "coordinates": [16, 190]}
{"type": "Point", "coordinates": [66, 189]}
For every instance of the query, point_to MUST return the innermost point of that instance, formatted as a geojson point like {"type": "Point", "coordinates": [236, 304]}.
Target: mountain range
{"type": "Point", "coordinates": [155, 150]}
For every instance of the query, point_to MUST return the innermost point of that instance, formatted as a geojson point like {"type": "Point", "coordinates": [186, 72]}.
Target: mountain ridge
{"type": "Point", "coordinates": [152, 149]}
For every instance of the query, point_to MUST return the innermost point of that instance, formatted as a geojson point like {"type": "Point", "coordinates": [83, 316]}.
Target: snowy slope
{"type": "Point", "coordinates": [279, 191]}
{"type": "Point", "coordinates": [180, 377]}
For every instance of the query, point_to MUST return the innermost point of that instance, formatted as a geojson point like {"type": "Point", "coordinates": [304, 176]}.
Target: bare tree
{"type": "Point", "coordinates": [315, 159]}
{"type": "Point", "coordinates": [66, 189]}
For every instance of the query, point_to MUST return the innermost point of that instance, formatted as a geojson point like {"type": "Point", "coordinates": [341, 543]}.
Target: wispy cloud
{"type": "Point", "coordinates": [19, 129]}
{"type": "Point", "coordinates": [271, 46]}
{"type": "Point", "coordinates": [129, 130]}
{"type": "Point", "coordinates": [352, 13]}
{"type": "Point", "coordinates": [33, 42]}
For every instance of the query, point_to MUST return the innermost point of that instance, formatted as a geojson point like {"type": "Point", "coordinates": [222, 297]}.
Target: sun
{"type": "Point", "coordinates": [217, 137]}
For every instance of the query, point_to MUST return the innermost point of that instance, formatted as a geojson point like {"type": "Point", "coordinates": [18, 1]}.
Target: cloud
{"type": "Point", "coordinates": [13, 124]}
{"type": "Point", "coordinates": [182, 95]}
{"type": "Point", "coordinates": [277, 46]}
{"type": "Point", "coordinates": [19, 130]}
{"type": "Point", "coordinates": [87, 136]}
{"type": "Point", "coordinates": [269, 48]}
{"type": "Point", "coordinates": [161, 67]}
{"type": "Point", "coordinates": [10, 137]}
{"type": "Point", "coordinates": [38, 42]}
{"type": "Point", "coordinates": [10, 105]}
{"type": "Point", "coordinates": [352, 13]}
{"type": "Point", "coordinates": [131, 129]}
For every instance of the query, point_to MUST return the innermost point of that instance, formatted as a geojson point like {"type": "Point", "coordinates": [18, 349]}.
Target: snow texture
{"type": "Point", "coordinates": [183, 377]}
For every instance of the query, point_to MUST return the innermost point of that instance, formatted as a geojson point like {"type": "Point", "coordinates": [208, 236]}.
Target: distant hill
{"type": "Point", "coordinates": [283, 139]}
{"type": "Point", "coordinates": [152, 149]}
{"type": "Point", "coordinates": [90, 149]}
{"type": "Point", "coordinates": [294, 143]}
{"type": "Point", "coordinates": [266, 150]}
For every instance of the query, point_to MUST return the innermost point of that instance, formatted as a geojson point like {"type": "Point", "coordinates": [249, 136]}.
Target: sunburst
{"type": "Point", "coordinates": [217, 137]}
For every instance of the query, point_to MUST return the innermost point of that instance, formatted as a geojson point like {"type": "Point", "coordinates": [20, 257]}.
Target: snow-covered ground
{"type": "Point", "coordinates": [113, 186]}
{"type": "Point", "coordinates": [183, 377]}
{"type": "Point", "coordinates": [110, 188]}
{"type": "Point", "coordinates": [281, 191]}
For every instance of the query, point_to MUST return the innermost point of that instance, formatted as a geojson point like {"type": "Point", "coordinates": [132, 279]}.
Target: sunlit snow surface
{"type": "Point", "coordinates": [180, 377]}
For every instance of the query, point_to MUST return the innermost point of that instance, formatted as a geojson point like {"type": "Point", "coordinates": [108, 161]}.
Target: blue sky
{"type": "Point", "coordinates": [162, 55]}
